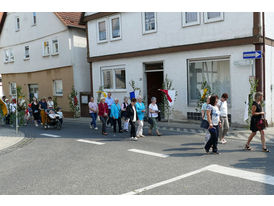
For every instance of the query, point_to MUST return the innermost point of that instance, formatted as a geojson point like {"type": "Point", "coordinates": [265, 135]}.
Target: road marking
{"type": "Point", "coordinates": [148, 153]}
{"type": "Point", "coordinates": [50, 135]}
{"type": "Point", "coordinates": [253, 176]}
{"type": "Point", "coordinates": [134, 192]}
{"type": "Point", "coordinates": [90, 142]}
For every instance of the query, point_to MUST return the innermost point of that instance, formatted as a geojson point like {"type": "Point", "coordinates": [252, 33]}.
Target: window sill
{"type": "Point", "coordinates": [55, 54]}
{"type": "Point", "coordinates": [116, 90]}
{"type": "Point", "coordinates": [58, 95]}
{"type": "Point", "coordinates": [213, 20]}
{"type": "Point", "coordinates": [26, 59]}
{"type": "Point", "coordinates": [47, 55]}
{"type": "Point", "coordinates": [191, 24]}
{"type": "Point", "coordinates": [115, 39]}
{"type": "Point", "coordinates": [101, 42]}
{"type": "Point", "coordinates": [149, 32]}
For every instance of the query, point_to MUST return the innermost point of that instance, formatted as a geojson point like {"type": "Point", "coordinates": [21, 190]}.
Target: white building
{"type": "Point", "coordinates": [190, 47]}
{"type": "Point", "coordinates": [45, 54]}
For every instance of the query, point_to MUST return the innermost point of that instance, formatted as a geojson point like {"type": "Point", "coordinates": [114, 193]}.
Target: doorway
{"type": "Point", "coordinates": [33, 91]}
{"type": "Point", "coordinates": [155, 78]}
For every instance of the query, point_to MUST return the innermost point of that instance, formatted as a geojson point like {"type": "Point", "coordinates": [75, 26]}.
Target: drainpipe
{"type": "Point", "coordinates": [263, 55]}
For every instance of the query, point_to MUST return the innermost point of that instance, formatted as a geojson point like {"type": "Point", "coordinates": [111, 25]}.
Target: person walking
{"type": "Point", "coordinates": [43, 106]}
{"type": "Point", "coordinates": [256, 123]}
{"type": "Point", "coordinates": [93, 110]}
{"type": "Point", "coordinates": [141, 109]}
{"type": "Point", "coordinates": [222, 104]}
{"type": "Point", "coordinates": [204, 117]}
{"type": "Point", "coordinates": [115, 114]}
{"type": "Point", "coordinates": [124, 114]}
{"type": "Point", "coordinates": [133, 117]}
{"type": "Point", "coordinates": [50, 103]}
{"type": "Point", "coordinates": [109, 101]}
{"type": "Point", "coordinates": [103, 114]}
{"type": "Point", "coordinates": [213, 117]}
{"type": "Point", "coordinates": [153, 114]}
{"type": "Point", "coordinates": [35, 111]}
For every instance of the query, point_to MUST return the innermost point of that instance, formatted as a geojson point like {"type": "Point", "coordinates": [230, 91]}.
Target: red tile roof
{"type": "Point", "coordinates": [70, 18]}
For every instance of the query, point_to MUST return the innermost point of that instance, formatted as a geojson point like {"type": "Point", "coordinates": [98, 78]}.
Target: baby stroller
{"type": "Point", "coordinates": [53, 119]}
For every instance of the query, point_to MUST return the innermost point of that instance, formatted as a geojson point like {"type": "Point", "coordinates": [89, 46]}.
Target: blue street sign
{"type": "Point", "coordinates": [252, 55]}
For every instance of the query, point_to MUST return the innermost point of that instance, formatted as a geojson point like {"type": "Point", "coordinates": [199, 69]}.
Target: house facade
{"type": "Point", "coordinates": [45, 54]}
{"type": "Point", "coordinates": [190, 48]}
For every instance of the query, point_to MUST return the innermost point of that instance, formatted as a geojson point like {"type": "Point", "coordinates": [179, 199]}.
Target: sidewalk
{"type": "Point", "coordinates": [8, 137]}
{"type": "Point", "coordinates": [191, 126]}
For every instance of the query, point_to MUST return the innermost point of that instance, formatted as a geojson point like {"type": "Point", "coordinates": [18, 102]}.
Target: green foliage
{"type": "Point", "coordinates": [55, 103]}
{"type": "Point", "coordinates": [164, 107]}
{"type": "Point", "coordinates": [206, 92]}
{"type": "Point", "coordinates": [74, 103]}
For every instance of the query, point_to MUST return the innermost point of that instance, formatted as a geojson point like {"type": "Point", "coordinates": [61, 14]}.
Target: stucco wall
{"type": "Point", "coordinates": [169, 32]}
{"type": "Point", "coordinates": [44, 79]}
{"type": "Point", "coordinates": [175, 65]}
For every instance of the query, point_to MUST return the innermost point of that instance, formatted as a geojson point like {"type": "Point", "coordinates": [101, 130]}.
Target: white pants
{"type": "Point", "coordinates": [140, 127]}
{"type": "Point", "coordinates": [126, 125]}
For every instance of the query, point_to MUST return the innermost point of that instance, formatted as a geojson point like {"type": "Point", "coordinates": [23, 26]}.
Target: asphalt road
{"type": "Point", "coordinates": [55, 162]}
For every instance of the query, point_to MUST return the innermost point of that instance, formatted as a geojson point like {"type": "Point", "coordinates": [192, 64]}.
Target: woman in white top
{"type": "Point", "coordinates": [50, 103]}
{"type": "Point", "coordinates": [213, 117]}
{"type": "Point", "coordinates": [153, 114]}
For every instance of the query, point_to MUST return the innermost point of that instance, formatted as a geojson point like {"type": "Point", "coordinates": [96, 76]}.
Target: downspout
{"type": "Point", "coordinates": [263, 55]}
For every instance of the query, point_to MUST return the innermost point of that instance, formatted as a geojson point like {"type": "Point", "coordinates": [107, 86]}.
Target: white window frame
{"type": "Point", "coordinates": [52, 47]}
{"type": "Point", "coordinates": [10, 89]}
{"type": "Point", "coordinates": [113, 69]}
{"type": "Point", "coordinates": [98, 34]}
{"type": "Point", "coordinates": [184, 24]}
{"type": "Point", "coordinates": [6, 51]}
{"type": "Point", "coordinates": [17, 26]}
{"type": "Point", "coordinates": [25, 57]}
{"type": "Point", "coordinates": [144, 24]}
{"type": "Point", "coordinates": [206, 20]}
{"type": "Point", "coordinates": [43, 49]}
{"type": "Point", "coordinates": [34, 14]}
{"type": "Point", "coordinates": [110, 27]}
{"type": "Point", "coordinates": [11, 56]}
{"type": "Point", "coordinates": [54, 88]}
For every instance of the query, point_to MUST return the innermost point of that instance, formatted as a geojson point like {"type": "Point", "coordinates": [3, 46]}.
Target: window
{"type": "Point", "coordinates": [213, 16]}
{"type": "Point", "coordinates": [58, 88]}
{"type": "Point", "coordinates": [215, 72]}
{"type": "Point", "coordinates": [9, 57]}
{"type": "Point", "coordinates": [46, 49]}
{"type": "Point", "coordinates": [13, 89]}
{"type": "Point", "coordinates": [34, 19]}
{"type": "Point", "coordinates": [27, 52]}
{"type": "Point", "coordinates": [55, 47]}
{"type": "Point", "coordinates": [120, 79]}
{"type": "Point", "coordinates": [102, 31]}
{"type": "Point", "coordinates": [115, 28]}
{"type": "Point", "coordinates": [114, 78]}
{"type": "Point", "coordinates": [190, 18]}
{"type": "Point", "coordinates": [17, 23]}
{"type": "Point", "coordinates": [149, 22]}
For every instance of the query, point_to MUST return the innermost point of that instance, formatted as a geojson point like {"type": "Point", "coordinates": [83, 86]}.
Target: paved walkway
{"type": "Point", "coordinates": [8, 137]}
{"type": "Point", "coordinates": [235, 131]}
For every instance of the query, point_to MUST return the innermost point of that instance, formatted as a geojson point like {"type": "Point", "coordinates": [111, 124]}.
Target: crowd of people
{"type": "Point", "coordinates": [111, 113]}
{"type": "Point", "coordinates": [35, 110]}
{"type": "Point", "coordinates": [216, 124]}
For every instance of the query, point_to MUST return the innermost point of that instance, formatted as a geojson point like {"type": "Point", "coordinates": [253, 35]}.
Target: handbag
{"type": "Point", "coordinates": [204, 124]}
{"type": "Point", "coordinates": [261, 124]}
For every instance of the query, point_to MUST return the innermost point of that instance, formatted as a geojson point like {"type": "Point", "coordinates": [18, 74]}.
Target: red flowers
{"type": "Point", "coordinates": [75, 101]}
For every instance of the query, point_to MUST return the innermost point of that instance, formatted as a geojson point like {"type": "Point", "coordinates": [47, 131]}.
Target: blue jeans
{"type": "Point", "coordinates": [93, 119]}
{"type": "Point", "coordinates": [213, 141]}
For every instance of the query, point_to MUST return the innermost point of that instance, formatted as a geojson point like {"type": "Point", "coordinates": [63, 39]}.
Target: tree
{"type": "Point", "coordinates": [73, 102]}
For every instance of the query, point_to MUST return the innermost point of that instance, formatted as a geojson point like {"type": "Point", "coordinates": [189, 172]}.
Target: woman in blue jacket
{"type": "Point", "coordinates": [115, 114]}
{"type": "Point", "coordinates": [141, 109]}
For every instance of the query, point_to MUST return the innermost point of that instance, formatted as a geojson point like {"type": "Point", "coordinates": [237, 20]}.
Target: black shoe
{"type": "Point", "coordinates": [121, 131]}
{"type": "Point", "coordinates": [216, 153]}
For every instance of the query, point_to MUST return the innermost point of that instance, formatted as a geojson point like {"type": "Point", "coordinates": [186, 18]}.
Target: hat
{"type": "Point", "coordinates": [102, 98]}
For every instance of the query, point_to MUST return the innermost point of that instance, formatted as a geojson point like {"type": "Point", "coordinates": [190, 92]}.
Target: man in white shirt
{"type": "Point", "coordinates": [222, 104]}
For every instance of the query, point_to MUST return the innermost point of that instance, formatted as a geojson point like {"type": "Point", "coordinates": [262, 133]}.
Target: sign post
{"type": "Point", "coordinates": [16, 114]}
{"type": "Point", "coordinates": [252, 55]}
